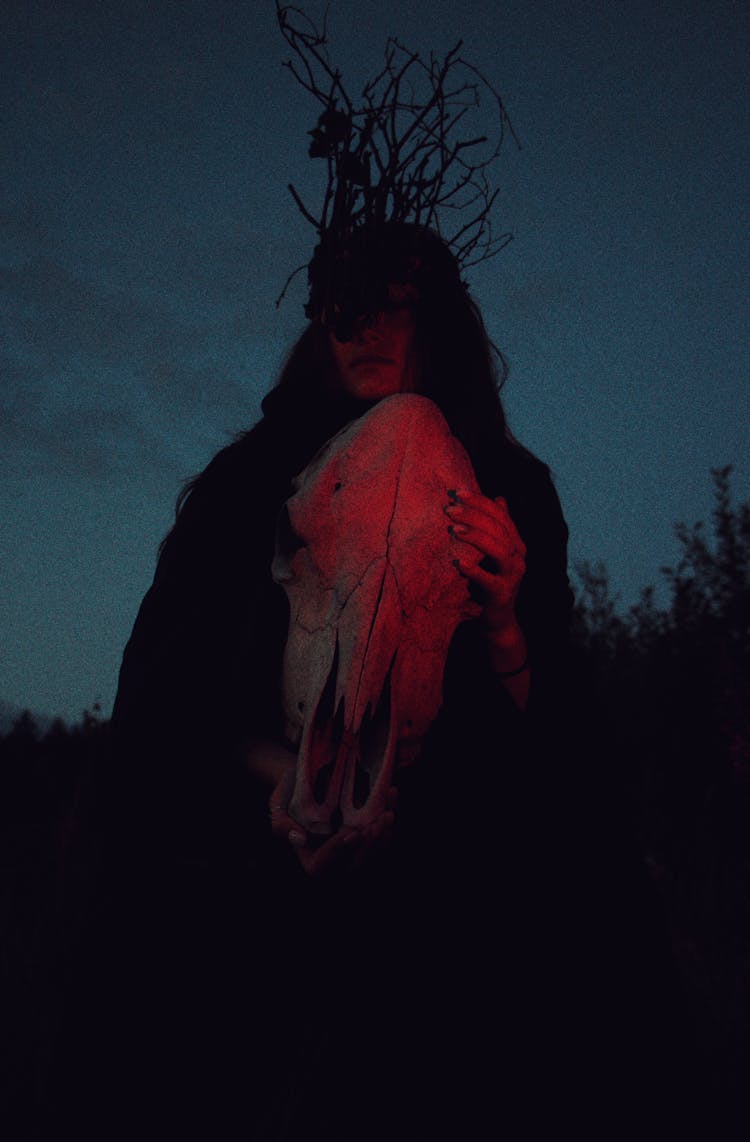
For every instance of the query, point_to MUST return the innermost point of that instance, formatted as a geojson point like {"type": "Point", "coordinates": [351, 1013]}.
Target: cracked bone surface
{"type": "Point", "coordinates": [365, 557]}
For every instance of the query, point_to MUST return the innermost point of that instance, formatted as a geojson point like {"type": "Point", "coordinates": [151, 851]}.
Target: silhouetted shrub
{"type": "Point", "coordinates": [675, 686]}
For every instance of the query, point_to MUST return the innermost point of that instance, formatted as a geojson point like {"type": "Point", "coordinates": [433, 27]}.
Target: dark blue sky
{"type": "Point", "coordinates": [146, 230]}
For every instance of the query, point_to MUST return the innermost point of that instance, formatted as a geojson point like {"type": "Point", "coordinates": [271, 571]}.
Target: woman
{"type": "Point", "coordinates": [384, 355]}
{"type": "Point", "coordinates": [377, 982]}
{"type": "Point", "coordinates": [211, 630]}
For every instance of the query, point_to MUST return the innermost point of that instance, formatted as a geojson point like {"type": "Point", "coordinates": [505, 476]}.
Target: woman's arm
{"type": "Point", "coordinates": [486, 525]}
{"type": "Point", "coordinates": [510, 662]}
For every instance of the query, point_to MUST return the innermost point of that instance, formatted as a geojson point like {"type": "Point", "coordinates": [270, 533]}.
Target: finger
{"type": "Point", "coordinates": [502, 542]}
{"type": "Point", "coordinates": [495, 585]}
{"type": "Point", "coordinates": [508, 561]}
{"type": "Point", "coordinates": [283, 826]}
{"type": "Point", "coordinates": [287, 828]}
{"type": "Point", "coordinates": [463, 521]}
{"type": "Point", "coordinates": [500, 526]}
{"type": "Point", "coordinates": [485, 541]}
{"type": "Point", "coordinates": [496, 509]}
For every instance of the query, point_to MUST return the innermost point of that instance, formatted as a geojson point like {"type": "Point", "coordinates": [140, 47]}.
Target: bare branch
{"type": "Point", "coordinates": [303, 209]}
{"type": "Point", "coordinates": [288, 282]}
{"type": "Point", "coordinates": [396, 154]}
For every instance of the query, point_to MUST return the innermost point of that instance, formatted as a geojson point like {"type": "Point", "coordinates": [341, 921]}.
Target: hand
{"type": "Point", "coordinates": [487, 526]}
{"type": "Point", "coordinates": [346, 848]}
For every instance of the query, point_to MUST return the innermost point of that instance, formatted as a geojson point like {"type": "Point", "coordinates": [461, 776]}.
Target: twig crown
{"type": "Point", "coordinates": [395, 156]}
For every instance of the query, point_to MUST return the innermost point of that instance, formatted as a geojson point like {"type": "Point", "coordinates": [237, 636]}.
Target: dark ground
{"type": "Point", "coordinates": [700, 870]}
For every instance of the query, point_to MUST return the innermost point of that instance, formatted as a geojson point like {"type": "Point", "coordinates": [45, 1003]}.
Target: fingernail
{"type": "Point", "coordinates": [296, 838]}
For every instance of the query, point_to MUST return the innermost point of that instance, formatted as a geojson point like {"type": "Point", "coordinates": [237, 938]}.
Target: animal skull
{"type": "Point", "coordinates": [365, 557]}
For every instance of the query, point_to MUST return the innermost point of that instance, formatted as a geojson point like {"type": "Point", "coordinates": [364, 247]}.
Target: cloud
{"type": "Point", "coordinates": [97, 377]}
{"type": "Point", "coordinates": [212, 263]}
{"type": "Point", "coordinates": [63, 438]}
{"type": "Point", "coordinates": [54, 315]}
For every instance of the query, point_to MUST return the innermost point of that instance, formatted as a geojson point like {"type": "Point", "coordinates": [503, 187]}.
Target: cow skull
{"type": "Point", "coordinates": [365, 557]}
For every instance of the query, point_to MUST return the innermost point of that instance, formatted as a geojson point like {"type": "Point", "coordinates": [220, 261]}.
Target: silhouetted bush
{"type": "Point", "coordinates": [675, 686]}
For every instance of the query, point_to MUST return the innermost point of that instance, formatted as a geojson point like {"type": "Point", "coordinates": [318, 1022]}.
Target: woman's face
{"type": "Point", "coordinates": [381, 358]}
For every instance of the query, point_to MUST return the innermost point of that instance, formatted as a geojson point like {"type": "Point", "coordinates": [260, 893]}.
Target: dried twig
{"type": "Point", "coordinates": [396, 157]}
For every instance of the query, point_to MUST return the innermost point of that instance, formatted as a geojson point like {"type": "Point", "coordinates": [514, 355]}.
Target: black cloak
{"type": "Point", "coordinates": [503, 958]}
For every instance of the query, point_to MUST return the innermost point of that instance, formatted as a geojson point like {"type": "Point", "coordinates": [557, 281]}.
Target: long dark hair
{"type": "Point", "coordinates": [462, 370]}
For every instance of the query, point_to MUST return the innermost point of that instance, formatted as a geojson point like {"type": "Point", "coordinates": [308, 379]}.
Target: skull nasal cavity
{"type": "Point", "coordinates": [373, 743]}
{"type": "Point", "coordinates": [327, 733]}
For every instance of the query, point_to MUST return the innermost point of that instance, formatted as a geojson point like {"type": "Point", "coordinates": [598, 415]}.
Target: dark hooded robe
{"type": "Point", "coordinates": [495, 961]}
